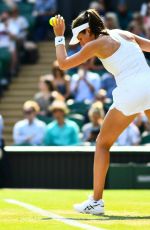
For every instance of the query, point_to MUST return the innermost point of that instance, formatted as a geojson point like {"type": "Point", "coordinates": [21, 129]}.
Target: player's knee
{"type": "Point", "coordinates": [103, 145]}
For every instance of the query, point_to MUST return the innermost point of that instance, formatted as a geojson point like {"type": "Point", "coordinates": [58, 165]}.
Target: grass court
{"type": "Point", "coordinates": [125, 210]}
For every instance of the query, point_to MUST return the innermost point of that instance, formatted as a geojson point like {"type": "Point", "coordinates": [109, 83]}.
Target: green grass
{"type": "Point", "coordinates": [125, 209]}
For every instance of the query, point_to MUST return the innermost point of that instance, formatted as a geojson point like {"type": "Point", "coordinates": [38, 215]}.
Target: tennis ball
{"type": "Point", "coordinates": [52, 21]}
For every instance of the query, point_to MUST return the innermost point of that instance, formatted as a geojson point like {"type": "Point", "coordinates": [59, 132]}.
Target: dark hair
{"type": "Point", "coordinates": [56, 69]}
{"type": "Point", "coordinates": [48, 82]}
{"type": "Point", "coordinates": [49, 85]}
{"type": "Point", "coordinates": [96, 23]}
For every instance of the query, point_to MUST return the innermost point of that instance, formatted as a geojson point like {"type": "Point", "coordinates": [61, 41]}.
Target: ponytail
{"type": "Point", "coordinates": [96, 23]}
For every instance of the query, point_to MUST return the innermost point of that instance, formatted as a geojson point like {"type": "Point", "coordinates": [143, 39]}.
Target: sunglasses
{"type": "Point", "coordinates": [57, 110]}
{"type": "Point", "coordinates": [28, 112]}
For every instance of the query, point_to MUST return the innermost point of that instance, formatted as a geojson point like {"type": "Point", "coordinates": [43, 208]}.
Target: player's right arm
{"type": "Point", "coordinates": [65, 62]}
{"type": "Point", "coordinates": [143, 43]}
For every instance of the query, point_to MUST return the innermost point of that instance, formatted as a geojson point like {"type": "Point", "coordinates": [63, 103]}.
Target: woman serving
{"type": "Point", "coordinates": [121, 54]}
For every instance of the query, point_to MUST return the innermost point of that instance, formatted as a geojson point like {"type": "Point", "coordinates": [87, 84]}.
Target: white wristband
{"type": "Point", "coordinates": [59, 40]}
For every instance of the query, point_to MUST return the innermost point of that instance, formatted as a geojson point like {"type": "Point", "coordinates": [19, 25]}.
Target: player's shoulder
{"type": "Point", "coordinates": [103, 41]}
{"type": "Point", "coordinates": [123, 33]}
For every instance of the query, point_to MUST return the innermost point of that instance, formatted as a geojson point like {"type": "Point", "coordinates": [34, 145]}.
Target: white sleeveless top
{"type": "Point", "coordinates": [132, 75]}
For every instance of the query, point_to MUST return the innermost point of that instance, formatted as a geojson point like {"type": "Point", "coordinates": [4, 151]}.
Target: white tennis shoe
{"type": "Point", "coordinates": [90, 206]}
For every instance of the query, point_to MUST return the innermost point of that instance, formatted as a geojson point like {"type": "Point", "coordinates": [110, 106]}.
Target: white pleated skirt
{"type": "Point", "coordinates": [132, 94]}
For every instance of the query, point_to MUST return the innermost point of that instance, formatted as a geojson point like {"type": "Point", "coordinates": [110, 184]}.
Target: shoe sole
{"type": "Point", "coordinates": [96, 214]}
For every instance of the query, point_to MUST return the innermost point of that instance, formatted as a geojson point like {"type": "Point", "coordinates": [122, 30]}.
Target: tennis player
{"type": "Point", "coordinates": [121, 54]}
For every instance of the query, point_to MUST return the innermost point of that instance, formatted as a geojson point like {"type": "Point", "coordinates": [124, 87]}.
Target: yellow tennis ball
{"type": "Point", "coordinates": [52, 21]}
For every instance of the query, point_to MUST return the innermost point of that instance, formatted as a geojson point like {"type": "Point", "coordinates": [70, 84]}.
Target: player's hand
{"type": "Point", "coordinates": [59, 26]}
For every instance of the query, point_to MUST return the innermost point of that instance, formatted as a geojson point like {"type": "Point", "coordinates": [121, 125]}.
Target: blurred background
{"type": "Point", "coordinates": [38, 101]}
{"type": "Point", "coordinates": [41, 105]}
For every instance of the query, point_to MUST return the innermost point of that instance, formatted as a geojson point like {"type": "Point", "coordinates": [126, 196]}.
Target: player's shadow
{"type": "Point", "coordinates": [107, 218]}
{"type": "Point", "coordinates": [117, 217]}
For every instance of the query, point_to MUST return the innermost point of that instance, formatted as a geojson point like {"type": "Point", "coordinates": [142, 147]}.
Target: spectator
{"type": "Point", "coordinates": [108, 83]}
{"type": "Point", "coordinates": [139, 19]}
{"type": "Point", "coordinates": [146, 131]}
{"type": "Point", "coordinates": [29, 131]}
{"type": "Point", "coordinates": [147, 17]}
{"type": "Point", "coordinates": [142, 122]}
{"type": "Point", "coordinates": [61, 131]}
{"type": "Point", "coordinates": [61, 81]}
{"type": "Point", "coordinates": [43, 10]}
{"type": "Point", "coordinates": [144, 6]}
{"type": "Point", "coordinates": [148, 33]}
{"type": "Point", "coordinates": [124, 15]}
{"type": "Point", "coordinates": [136, 29]}
{"type": "Point", "coordinates": [137, 25]}
{"type": "Point", "coordinates": [111, 21]}
{"type": "Point", "coordinates": [86, 80]}
{"type": "Point", "coordinates": [20, 25]}
{"type": "Point", "coordinates": [6, 49]}
{"type": "Point", "coordinates": [102, 97]}
{"type": "Point", "coordinates": [1, 131]}
{"type": "Point", "coordinates": [12, 30]}
{"type": "Point", "coordinates": [130, 136]}
{"type": "Point", "coordinates": [20, 22]}
{"type": "Point", "coordinates": [99, 6]}
{"type": "Point", "coordinates": [91, 129]}
{"type": "Point", "coordinates": [46, 95]}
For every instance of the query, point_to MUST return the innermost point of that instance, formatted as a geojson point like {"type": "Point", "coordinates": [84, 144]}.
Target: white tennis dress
{"type": "Point", "coordinates": [132, 75]}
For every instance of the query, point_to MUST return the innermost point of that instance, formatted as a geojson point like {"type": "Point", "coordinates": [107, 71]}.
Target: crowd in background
{"type": "Point", "coordinates": [22, 24]}
{"type": "Point", "coordinates": [70, 107]}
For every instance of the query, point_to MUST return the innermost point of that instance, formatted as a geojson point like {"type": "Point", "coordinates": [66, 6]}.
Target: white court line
{"type": "Point", "coordinates": [45, 213]}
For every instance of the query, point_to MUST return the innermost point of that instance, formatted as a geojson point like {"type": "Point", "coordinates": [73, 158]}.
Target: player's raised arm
{"type": "Point", "coordinates": [80, 57]}
{"type": "Point", "coordinates": [65, 62]}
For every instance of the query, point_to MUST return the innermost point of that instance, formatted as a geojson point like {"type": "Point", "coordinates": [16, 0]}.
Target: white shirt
{"type": "Point", "coordinates": [130, 136]}
{"type": "Point", "coordinates": [5, 40]}
{"type": "Point", "coordinates": [20, 25]}
{"type": "Point", "coordinates": [143, 9]}
{"type": "Point", "coordinates": [23, 130]}
{"type": "Point", "coordinates": [4, 37]}
{"type": "Point", "coordinates": [13, 29]}
{"type": "Point", "coordinates": [84, 92]}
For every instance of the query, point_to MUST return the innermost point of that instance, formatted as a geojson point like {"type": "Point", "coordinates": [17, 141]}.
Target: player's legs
{"type": "Point", "coordinates": [114, 124]}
